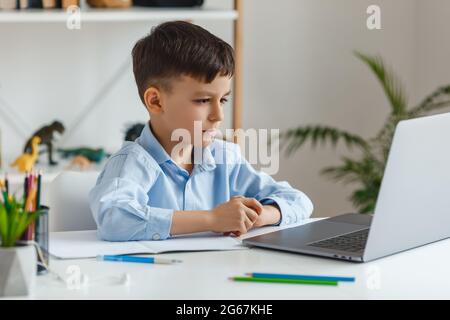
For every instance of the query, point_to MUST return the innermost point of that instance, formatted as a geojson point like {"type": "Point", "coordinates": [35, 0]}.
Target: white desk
{"type": "Point", "coordinates": [422, 273]}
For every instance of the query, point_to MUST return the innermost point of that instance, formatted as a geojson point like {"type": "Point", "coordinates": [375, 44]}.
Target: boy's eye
{"type": "Point", "coordinates": [201, 101]}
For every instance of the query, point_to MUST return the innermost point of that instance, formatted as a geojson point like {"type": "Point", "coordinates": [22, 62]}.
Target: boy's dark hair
{"type": "Point", "coordinates": [179, 48]}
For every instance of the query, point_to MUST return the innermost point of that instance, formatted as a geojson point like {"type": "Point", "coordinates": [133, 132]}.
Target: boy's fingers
{"type": "Point", "coordinates": [246, 222]}
{"type": "Point", "coordinates": [251, 214]}
{"type": "Point", "coordinates": [245, 226]}
{"type": "Point", "coordinates": [251, 222]}
{"type": "Point", "coordinates": [253, 203]}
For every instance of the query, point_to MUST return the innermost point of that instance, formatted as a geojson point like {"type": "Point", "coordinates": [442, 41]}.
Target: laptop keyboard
{"type": "Point", "coordinates": [351, 242]}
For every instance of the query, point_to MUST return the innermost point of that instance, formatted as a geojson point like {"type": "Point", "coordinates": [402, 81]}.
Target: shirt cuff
{"type": "Point", "coordinates": [159, 223]}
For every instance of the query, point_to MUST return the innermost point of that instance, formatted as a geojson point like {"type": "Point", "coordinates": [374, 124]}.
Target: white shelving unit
{"type": "Point", "coordinates": [49, 172]}
{"type": "Point", "coordinates": [132, 14]}
{"type": "Point", "coordinates": [117, 15]}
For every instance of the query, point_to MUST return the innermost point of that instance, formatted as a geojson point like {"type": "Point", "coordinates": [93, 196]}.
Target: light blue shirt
{"type": "Point", "coordinates": [140, 187]}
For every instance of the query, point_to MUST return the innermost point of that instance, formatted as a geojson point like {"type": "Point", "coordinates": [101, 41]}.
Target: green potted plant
{"type": "Point", "coordinates": [17, 259]}
{"type": "Point", "coordinates": [366, 170]}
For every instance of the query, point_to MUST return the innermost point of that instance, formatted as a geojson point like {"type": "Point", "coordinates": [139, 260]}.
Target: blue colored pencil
{"type": "Point", "coordinates": [300, 277]}
{"type": "Point", "coordinates": [125, 258]}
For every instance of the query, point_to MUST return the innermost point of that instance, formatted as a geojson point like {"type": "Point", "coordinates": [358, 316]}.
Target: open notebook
{"type": "Point", "coordinates": [85, 244]}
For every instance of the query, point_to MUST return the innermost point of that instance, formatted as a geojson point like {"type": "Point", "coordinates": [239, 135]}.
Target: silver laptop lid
{"type": "Point", "coordinates": [413, 206]}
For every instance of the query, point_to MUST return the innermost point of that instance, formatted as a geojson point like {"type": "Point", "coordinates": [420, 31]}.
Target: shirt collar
{"type": "Point", "coordinates": [151, 144]}
{"type": "Point", "coordinates": [207, 161]}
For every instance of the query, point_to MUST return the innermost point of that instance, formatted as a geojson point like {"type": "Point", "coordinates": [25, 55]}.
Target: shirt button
{"type": "Point", "coordinates": [156, 236]}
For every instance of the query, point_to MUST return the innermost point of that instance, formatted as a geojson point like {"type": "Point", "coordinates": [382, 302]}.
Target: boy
{"type": "Point", "coordinates": [151, 189]}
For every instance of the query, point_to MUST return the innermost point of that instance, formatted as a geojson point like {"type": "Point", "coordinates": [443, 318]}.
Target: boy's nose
{"type": "Point", "coordinates": [216, 113]}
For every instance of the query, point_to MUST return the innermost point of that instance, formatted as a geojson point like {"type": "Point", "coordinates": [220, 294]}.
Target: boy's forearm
{"type": "Point", "coordinates": [190, 221]}
{"type": "Point", "coordinates": [270, 215]}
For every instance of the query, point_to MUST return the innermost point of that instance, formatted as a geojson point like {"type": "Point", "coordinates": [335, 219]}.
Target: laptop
{"type": "Point", "coordinates": [412, 209]}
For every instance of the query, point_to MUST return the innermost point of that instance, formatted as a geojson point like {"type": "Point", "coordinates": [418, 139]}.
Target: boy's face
{"type": "Point", "coordinates": [190, 101]}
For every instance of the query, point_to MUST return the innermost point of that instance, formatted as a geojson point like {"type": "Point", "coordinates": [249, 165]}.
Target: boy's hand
{"type": "Point", "coordinates": [235, 216]}
{"type": "Point", "coordinates": [269, 215]}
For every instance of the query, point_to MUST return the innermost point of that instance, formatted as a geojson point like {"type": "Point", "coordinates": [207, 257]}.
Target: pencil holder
{"type": "Point", "coordinates": [41, 238]}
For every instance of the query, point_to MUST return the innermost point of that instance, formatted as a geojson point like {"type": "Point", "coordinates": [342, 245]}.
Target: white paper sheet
{"type": "Point", "coordinates": [85, 244]}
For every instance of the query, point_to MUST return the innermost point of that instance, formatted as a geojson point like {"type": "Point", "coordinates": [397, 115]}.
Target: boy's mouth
{"type": "Point", "coordinates": [210, 132]}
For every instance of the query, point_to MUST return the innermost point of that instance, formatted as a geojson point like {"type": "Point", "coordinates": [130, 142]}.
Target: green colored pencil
{"type": "Point", "coordinates": [277, 280]}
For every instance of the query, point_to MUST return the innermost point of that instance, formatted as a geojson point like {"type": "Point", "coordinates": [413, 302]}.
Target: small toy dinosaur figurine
{"type": "Point", "coordinates": [46, 135]}
{"type": "Point", "coordinates": [94, 155]}
{"type": "Point", "coordinates": [26, 161]}
{"type": "Point", "coordinates": [80, 162]}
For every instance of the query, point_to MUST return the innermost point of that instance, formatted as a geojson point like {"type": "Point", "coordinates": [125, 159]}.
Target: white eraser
{"type": "Point", "coordinates": [126, 279]}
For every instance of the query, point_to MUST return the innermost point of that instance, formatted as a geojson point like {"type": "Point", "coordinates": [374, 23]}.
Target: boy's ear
{"type": "Point", "coordinates": [152, 98]}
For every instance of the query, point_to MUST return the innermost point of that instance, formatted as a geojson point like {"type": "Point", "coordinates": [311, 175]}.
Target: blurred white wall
{"type": "Point", "coordinates": [298, 69]}
{"type": "Point", "coordinates": [432, 47]}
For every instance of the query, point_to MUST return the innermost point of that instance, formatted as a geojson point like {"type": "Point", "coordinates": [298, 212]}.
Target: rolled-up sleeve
{"type": "Point", "coordinates": [294, 205]}
{"type": "Point", "coordinates": [119, 201]}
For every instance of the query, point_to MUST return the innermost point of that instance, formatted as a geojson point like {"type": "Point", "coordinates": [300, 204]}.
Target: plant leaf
{"type": "Point", "coordinates": [391, 85]}
{"type": "Point", "coordinates": [3, 222]}
{"type": "Point", "coordinates": [437, 100]}
{"type": "Point", "coordinates": [13, 222]}
{"type": "Point", "coordinates": [365, 199]}
{"type": "Point", "coordinates": [24, 221]}
{"type": "Point", "coordinates": [293, 139]}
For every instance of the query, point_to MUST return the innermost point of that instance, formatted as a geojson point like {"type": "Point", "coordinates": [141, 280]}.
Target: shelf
{"type": "Point", "coordinates": [49, 172]}
{"type": "Point", "coordinates": [132, 14]}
